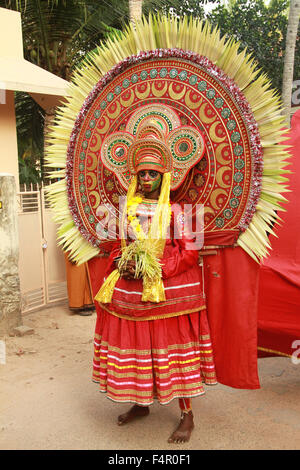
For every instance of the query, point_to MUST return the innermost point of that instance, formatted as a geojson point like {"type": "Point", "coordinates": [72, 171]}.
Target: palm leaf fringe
{"type": "Point", "coordinates": [190, 34]}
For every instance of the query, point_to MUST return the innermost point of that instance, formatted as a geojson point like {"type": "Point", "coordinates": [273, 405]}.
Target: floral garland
{"type": "Point", "coordinates": [134, 224]}
{"type": "Point", "coordinates": [141, 250]}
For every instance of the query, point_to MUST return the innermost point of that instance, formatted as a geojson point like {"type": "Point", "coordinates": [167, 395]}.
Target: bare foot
{"type": "Point", "coordinates": [184, 430]}
{"type": "Point", "coordinates": [136, 411]}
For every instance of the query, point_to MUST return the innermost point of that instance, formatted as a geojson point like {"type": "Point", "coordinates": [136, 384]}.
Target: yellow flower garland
{"type": "Point", "coordinates": [132, 205]}
{"type": "Point", "coordinates": [145, 251]}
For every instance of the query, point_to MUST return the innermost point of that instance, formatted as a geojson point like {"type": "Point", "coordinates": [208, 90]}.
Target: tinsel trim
{"type": "Point", "coordinates": [224, 80]}
{"type": "Point", "coordinates": [195, 41]}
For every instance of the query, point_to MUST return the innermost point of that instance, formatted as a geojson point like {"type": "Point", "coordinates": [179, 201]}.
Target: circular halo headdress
{"type": "Point", "coordinates": [175, 84]}
{"type": "Point", "coordinates": [154, 129]}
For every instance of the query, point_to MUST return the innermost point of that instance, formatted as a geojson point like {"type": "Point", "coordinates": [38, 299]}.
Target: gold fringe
{"type": "Point", "coordinates": [153, 317]}
{"type": "Point", "coordinates": [105, 293]}
{"type": "Point", "coordinates": [273, 351]}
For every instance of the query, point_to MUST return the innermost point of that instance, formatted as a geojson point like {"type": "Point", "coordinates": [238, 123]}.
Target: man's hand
{"type": "Point", "coordinates": [129, 271]}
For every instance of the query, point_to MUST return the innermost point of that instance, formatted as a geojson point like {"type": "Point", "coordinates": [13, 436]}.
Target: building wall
{"type": "Point", "coordinates": [8, 136]}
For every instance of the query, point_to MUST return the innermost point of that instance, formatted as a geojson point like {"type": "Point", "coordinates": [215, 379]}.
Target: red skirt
{"type": "Point", "coordinates": [139, 361]}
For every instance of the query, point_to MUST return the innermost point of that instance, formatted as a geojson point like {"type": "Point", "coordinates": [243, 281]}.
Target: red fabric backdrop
{"type": "Point", "coordinates": [279, 289]}
{"type": "Point", "coordinates": [231, 286]}
{"type": "Point", "coordinates": [97, 268]}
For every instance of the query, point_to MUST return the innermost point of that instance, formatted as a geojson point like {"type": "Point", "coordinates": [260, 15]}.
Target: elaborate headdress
{"type": "Point", "coordinates": [170, 81]}
{"type": "Point", "coordinates": [153, 138]}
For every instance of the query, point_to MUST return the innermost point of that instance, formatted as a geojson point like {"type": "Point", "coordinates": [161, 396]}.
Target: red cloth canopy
{"type": "Point", "coordinates": [279, 288]}
{"type": "Point", "coordinates": [231, 287]}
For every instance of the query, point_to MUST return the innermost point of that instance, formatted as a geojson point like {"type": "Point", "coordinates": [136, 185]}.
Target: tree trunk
{"type": "Point", "coordinates": [49, 118]}
{"type": "Point", "coordinates": [10, 295]}
{"type": "Point", "coordinates": [288, 70]}
{"type": "Point", "coordinates": [135, 9]}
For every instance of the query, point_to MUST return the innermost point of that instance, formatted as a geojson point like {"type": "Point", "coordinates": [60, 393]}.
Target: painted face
{"type": "Point", "coordinates": [149, 180]}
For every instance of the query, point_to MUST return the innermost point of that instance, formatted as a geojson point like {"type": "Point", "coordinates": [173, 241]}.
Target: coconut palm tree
{"type": "Point", "coordinates": [288, 69]}
{"type": "Point", "coordinates": [57, 35]}
{"type": "Point", "coordinates": [135, 9]}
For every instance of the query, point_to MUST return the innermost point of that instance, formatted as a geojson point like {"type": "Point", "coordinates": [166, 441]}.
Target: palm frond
{"type": "Point", "coordinates": [190, 34]}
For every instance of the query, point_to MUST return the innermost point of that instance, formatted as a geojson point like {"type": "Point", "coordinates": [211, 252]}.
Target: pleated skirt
{"type": "Point", "coordinates": [140, 361]}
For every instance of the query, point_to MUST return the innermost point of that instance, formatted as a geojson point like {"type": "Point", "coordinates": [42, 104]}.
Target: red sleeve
{"type": "Point", "coordinates": [115, 251]}
{"type": "Point", "coordinates": [181, 258]}
{"type": "Point", "coordinates": [180, 261]}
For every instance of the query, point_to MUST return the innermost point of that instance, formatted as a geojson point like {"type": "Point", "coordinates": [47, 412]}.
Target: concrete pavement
{"type": "Point", "coordinates": [48, 401]}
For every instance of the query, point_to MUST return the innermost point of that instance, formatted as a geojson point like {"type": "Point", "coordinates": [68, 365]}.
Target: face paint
{"type": "Point", "coordinates": [155, 183]}
{"type": "Point", "coordinates": [149, 180]}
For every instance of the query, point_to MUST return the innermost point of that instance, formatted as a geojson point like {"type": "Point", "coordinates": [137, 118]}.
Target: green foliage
{"type": "Point", "coordinates": [57, 35]}
{"type": "Point", "coordinates": [175, 7]}
{"type": "Point", "coordinates": [28, 172]}
{"type": "Point", "coordinates": [30, 125]}
{"type": "Point", "coordinates": [259, 26]}
{"type": "Point", "coordinates": [262, 29]}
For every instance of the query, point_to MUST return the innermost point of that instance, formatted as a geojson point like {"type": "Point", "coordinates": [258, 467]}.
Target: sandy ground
{"type": "Point", "coordinates": [48, 401]}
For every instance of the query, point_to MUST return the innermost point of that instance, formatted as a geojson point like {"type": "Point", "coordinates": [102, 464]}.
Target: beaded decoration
{"type": "Point", "coordinates": [158, 142]}
{"type": "Point", "coordinates": [168, 80]}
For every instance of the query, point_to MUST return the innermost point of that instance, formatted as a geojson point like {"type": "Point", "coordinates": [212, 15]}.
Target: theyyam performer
{"type": "Point", "coordinates": [169, 163]}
